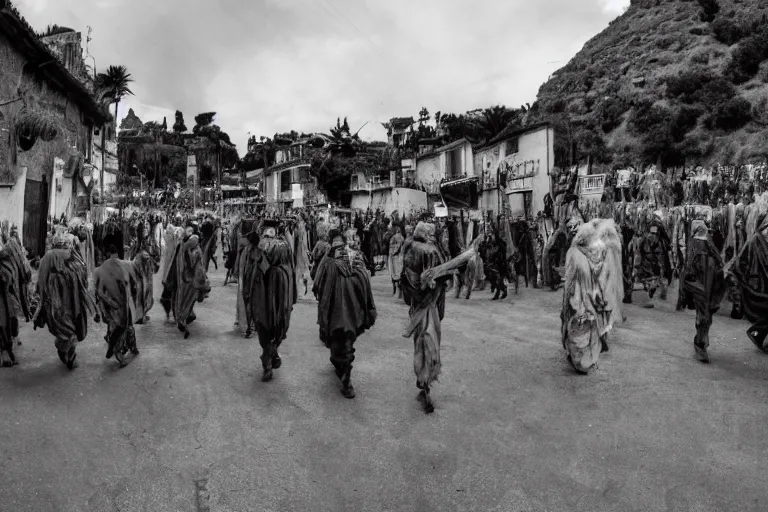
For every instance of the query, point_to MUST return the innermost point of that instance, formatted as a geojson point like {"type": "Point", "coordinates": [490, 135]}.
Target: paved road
{"type": "Point", "coordinates": [189, 426]}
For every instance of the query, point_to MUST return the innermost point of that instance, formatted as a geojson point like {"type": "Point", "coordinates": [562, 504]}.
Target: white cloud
{"type": "Point", "coordinates": [275, 65]}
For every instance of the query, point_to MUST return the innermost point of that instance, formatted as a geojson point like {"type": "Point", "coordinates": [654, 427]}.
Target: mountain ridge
{"type": "Point", "coordinates": [673, 82]}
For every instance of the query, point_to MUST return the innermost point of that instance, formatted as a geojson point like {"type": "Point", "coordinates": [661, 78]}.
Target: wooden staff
{"type": "Point", "coordinates": [428, 277]}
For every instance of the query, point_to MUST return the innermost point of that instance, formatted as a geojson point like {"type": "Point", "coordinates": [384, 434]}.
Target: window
{"type": "Point", "coordinates": [453, 164]}
{"type": "Point", "coordinates": [513, 146]}
{"type": "Point", "coordinates": [285, 181]}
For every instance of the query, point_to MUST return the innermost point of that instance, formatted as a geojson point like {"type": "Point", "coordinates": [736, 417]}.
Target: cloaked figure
{"type": "Point", "coordinates": [65, 303]}
{"type": "Point", "coordinates": [15, 274]}
{"type": "Point", "coordinates": [702, 284]}
{"type": "Point", "coordinates": [593, 293]}
{"type": "Point", "coordinates": [117, 291]}
{"type": "Point", "coordinates": [751, 274]}
{"type": "Point", "coordinates": [345, 304]}
{"type": "Point", "coordinates": [269, 291]}
{"type": "Point", "coordinates": [395, 261]}
{"type": "Point", "coordinates": [426, 299]}
{"type": "Point", "coordinates": [186, 282]}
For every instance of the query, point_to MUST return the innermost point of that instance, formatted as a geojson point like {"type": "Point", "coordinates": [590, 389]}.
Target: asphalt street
{"type": "Point", "coordinates": [188, 425]}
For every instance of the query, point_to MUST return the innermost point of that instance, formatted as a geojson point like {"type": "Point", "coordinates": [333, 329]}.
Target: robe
{"type": "Point", "coordinates": [395, 262]}
{"type": "Point", "coordinates": [751, 273]}
{"type": "Point", "coordinates": [343, 290]}
{"type": "Point", "coordinates": [65, 303]}
{"type": "Point", "coordinates": [427, 308]}
{"type": "Point", "coordinates": [15, 274]}
{"type": "Point", "coordinates": [318, 253]}
{"type": "Point", "coordinates": [592, 293]}
{"type": "Point", "coordinates": [186, 282]}
{"type": "Point", "coordinates": [117, 292]}
{"type": "Point", "coordinates": [269, 291]}
{"type": "Point", "coordinates": [301, 254]}
{"type": "Point", "coordinates": [144, 268]}
{"type": "Point", "coordinates": [702, 286]}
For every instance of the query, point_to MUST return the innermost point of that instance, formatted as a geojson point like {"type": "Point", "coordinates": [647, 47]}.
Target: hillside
{"type": "Point", "coordinates": [669, 81]}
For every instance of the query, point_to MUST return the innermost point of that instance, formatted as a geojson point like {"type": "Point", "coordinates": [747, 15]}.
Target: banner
{"type": "Point", "coordinates": [441, 211]}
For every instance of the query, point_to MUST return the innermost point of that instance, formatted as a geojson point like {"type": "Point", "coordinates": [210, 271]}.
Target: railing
{"type": "Point", "coordinates": [374, 184]}
{"type": "Point", "coordinates": [592, 184]}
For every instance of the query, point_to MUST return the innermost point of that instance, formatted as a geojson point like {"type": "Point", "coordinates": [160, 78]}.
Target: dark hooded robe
{"type": "Point", "coordinates": [751, 274]}
{"type": "Point", "coordinates": [269, 293]}
{"type": "Point", "coordinates": [186, 283]}
{"type": "Point", "coordinates": [702, 285]}
{"type": "Point", "coordinates": [15, 275]}
{"type": "Point", "coordinates": [118, 296]}
{"type": "Point", "coordinates": [346, 308]}
{"type": "Point", "coordinates": [65, 303]}
{"type": "Point", "coordinates": [652, 258]}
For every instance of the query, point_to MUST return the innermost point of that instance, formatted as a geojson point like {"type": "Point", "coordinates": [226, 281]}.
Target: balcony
{"type": "Point", "coordinates": [591, 185]}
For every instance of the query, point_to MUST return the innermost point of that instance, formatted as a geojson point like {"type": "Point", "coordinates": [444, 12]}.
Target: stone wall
{"type": "Point", "coordinates": [18, 81]}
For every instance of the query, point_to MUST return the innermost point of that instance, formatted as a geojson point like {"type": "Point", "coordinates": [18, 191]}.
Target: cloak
{"type": "Point", "coordinates": [343, 291]}
{"type": "Point", "coordinates": [269, 291]}
{"type": "Point", "coordinates": [186, 282]}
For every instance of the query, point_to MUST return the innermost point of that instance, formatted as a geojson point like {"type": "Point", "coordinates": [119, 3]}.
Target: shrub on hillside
{"type": "Point", "coordinates": [731, 115]}
{"type": "Point", "coordinates": [726, 31]}
{"type": "Point", "coordinates": [700, 86]}
{"type": "Point", "coordinates": [684, 121]}
{"type": "Point", "coordinates": [747, 57]}
{"type": "Point", "coordinates": [709, 9]}
{"type": "Point", "coordinates": [610, 113]}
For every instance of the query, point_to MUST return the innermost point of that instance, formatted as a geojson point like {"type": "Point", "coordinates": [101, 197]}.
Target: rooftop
{"type": "Point", "coordinates": [20, 34]}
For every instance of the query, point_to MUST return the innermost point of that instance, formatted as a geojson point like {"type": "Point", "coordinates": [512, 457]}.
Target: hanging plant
{"type": "Point", "coordinates": [32, 124]}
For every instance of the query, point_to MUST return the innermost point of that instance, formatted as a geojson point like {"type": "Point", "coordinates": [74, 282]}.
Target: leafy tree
{"type": "Point", "coordinates": [202, 121]}
{"type": "Point", "coordinates": [179, 126]}
{"type": "Point", "coordinates": [423, 115]}
{"type": "Point", "coordinates": [747, 57]}
{"type": "Point", "coordinates": [494, 120]}
{"type": "Point", "coordinates": [732, 115]}
{"type": "Point", "coordinates": [726, 31]}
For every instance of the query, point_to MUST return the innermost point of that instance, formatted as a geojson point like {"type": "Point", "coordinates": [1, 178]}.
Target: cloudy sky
{"type": "Point", "coordinates": [269, 66]}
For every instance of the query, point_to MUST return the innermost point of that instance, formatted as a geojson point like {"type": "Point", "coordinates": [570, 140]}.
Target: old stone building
{"type": "Point", "coordinates": [47, 118]}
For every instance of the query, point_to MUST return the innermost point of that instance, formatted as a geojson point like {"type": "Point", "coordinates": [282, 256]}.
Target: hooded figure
{"type": "Point", "coordinates": [702, 284]}
{"type": "Point", "coordinates": [594, 289]}
{"type": "Point", "coordinates": [345, 307]}
{"type": "Point", "coordinates": [186, 282]}
{"type": "Point", "coordinates": [652, 264]}
{"type": "Point", "coordinates": [751, 274]}
{"type": "Point", "coordinates": [269, 292]}
{"type": "Point", "coordinates": [117, 289]}
{"type": "Point", "coordinates": [65, 303]}
{"type": "Point", "coordinates": [15, 275]}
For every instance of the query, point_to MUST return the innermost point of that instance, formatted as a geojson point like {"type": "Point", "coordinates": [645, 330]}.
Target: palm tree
{"type": "Point", "coordinates": [494, 120]}
{"type": "Point", "coordinates": [111, 87]}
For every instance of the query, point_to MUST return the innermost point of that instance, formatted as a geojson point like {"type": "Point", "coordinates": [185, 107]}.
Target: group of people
{"type": "Point", "coordinates": [597, 262]}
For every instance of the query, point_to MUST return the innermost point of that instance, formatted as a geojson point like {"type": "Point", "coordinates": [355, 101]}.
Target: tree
{"type": "Point", "coordinates": [112, 87]}
{"type": "Point", "coordinates": [494, 120]}
{"type": "Point", "coordinates": [179, 126]}
{"type": "Point", "coordinates": [423, 115]}
{"type": "Point", "coordinates": [202, 121]}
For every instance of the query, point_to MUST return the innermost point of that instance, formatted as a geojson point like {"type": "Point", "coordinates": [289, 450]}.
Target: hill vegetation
{"type": "Point", "coordinates": [670, 82]}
